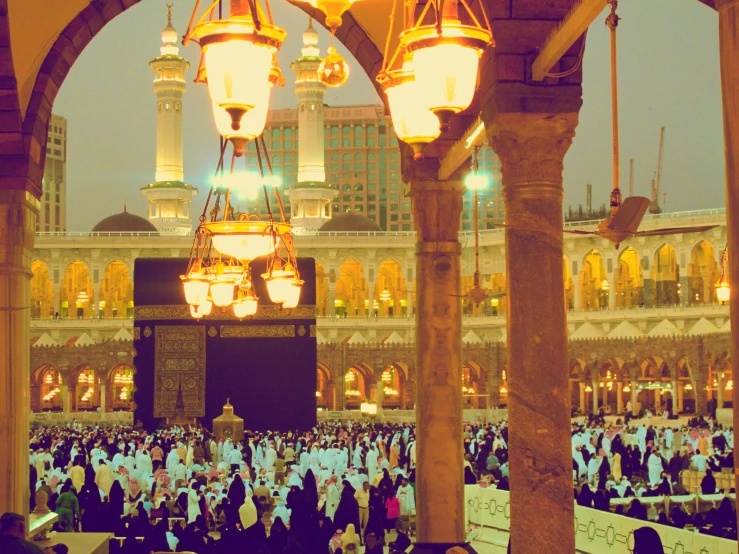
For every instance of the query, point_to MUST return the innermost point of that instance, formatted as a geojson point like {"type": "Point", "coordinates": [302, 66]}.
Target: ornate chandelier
{"type": "Point", "coordinates": [238, 64]}
{"type": "Point", "coordinates": [434, 69]}
{"type": "Point", "coordinates": [219, 271]}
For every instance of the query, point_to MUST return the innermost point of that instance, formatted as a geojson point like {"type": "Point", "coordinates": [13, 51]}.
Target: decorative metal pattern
{"type": "Point", "coordinates": [147, 331]}
{"type": "Point", "coordinates": [313, 331]}
{"type": "Point", "coordinates": [301, 330]}
{"type": "Point", "coordinates": [146, 313]}
{"type": "Point", "coordinates": [179, 370]}
{"type": "Point", "coordinates": [257, 331]}
{"type": "Point", "coordinates": [136, 333]}
{"type": "Point", "coordinates": [212, 332]}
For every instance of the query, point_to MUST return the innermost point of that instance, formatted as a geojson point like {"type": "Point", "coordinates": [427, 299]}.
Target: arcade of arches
{"type": "Point", "coordinates": [661, 372]}
{"type": "Point", "coordinates": [79, 296]}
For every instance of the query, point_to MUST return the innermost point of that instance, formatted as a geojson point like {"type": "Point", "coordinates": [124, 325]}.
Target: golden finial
{"type": "Point", "coordinates": [169, 12]}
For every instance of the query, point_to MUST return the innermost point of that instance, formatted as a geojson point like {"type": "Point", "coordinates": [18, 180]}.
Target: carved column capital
{"type": "Point", "coordinates": [532, 147]}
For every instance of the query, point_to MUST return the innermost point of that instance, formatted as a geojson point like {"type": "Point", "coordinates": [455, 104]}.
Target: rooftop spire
{"type": "Point", "coordinates": [169, 35]}
{"type": "Point", "coordinates": [310, 41]}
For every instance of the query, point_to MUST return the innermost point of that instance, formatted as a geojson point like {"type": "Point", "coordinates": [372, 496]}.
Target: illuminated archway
{"type": "Point", "coordinates": [392, 387]}
{"type": "Point", "coordinates": [85, 389]}
{"type": "Point", "coordinates": [120, 388]}
{"type": "Point", "coordinates": [42, 291]}
{"type": "Point", "coordinates": [355, 386]}
{"type": "Point", "coordinates": [116, 291]}
{"type": "Point", "coordinates": [322, 299]}
{"type": "Point", "coordinates": [351, 291]}
{"type": "Point", "coordinates": [474, 383]}
{"type": "Point", "coordinates": [665, 276]}
{"type": "Point", "coordinates": [324, 387]}
{"type": "Point", "coordinates": [593, 283]}
{"type": "Point", "coordinates": [76, 291]}
{"type": "Point", "coordinates": [47, 391]}
{"type": "Point", "coordinates": [702, 274]}
{"type": "Point", "coordinates": [629, 286]}
{"type": "Point", "coordinates": [391, 292]}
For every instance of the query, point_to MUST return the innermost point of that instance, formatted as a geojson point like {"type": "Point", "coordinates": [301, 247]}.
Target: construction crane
{"type": "Point", "coordinates": [654, 207]}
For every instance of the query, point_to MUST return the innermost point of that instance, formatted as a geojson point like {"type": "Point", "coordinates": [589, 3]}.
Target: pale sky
{"type": "Point", "coordinates": [668, 75]}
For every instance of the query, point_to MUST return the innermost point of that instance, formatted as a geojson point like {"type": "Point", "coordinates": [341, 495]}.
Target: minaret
{"type": "Point", "coordinates": [311, 196]}
{"type": "Point", "coordinates": [169, 196]}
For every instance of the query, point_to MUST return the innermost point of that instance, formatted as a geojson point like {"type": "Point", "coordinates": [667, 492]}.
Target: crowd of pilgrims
{"type": "Point", "coordinates": [617, 461]}
{"type": "Point", "coordinates": [328, 490]}
{"type": "Point", "coordinates": [339, 485]}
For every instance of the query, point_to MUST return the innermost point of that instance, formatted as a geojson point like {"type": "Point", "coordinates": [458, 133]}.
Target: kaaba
{"type": "Point", "coordinates": [188, 368]}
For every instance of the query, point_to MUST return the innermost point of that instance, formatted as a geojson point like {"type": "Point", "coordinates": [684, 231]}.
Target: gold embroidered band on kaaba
{"type": "Point", "coordinates": [176, 312]}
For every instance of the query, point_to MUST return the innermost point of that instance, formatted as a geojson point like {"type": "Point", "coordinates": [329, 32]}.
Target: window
{"type": "Point", "coordinates": [371, 186]}
{"type": "Point", "coordinates": [393, 186]}
{"type": "Point", "coordinates": [371, 207]}
{"type": "Point", "coordinates": [275, 145]}
{"type": "Point", "coordinates": [370, 142]}
{"type": "Point", "coordinates": [288, 132]}
{"type": "Point", "coordinates": [334, 167]}
{"type": "Point", "coordinates": [394, 165]}
{"type": "Point", "coordinates": [347, 187]}
{"type": "Point", "coordinates": [370, 166]}
{"type": "Point", "coordinates": [289, 144]}
{"type": "Point", "coordinates": [57, 141]}
{"type": "Point", "coordinates": [359, 208]}
{"type": "Point", "coordinates": [346, 130]}
{"type": "Point", "coordinates": [357, 129]}
{"type": "Point", "coordinates": [334, 143]}
{"type": "Point", "coordinates": [359, 198]}
{"type": "Point", "coordinates": [394, 196]}
{"type": "Point", "coordinates": [371, 197]}
{"type": "Point", "coordinates": [370, 129]}
{"type": "Point", "coordinates": [394, 207]}
{"type": "Point", "coordinates": [393, 155]}
{"type": "Point", "coordinates": [275, 160]}
{"type": "Point", "coordinates": [288, 169]}
{"type": "Point", "coordinates": [393, 141]}
{"type": "Point", "coordinates": [288, 159]}
{"type": "Point", "coordinates": [393, 217]}
{"type": "Point", "coordinates": [371, 176]}
{"type": "Point", "coordinates": [357, 143]}
{"type": "Point", "coordinates": [371, 156]}
{"type": "Point", "coordinates": [334, 157]}
{"type": "Point", "coordinates": [346, 143]}
{"type": "Point", "coordinates": [275, 133]}
{"type": "Point", "coordinates": [406, 226]}
{"type": "Point", "coordinates": [334, 130]}
{"type": "Point", "coordinates": [347, 198]}
{"type": "Point", "coordinates": [405, 217]}
{"type": "Point", "coordinates": [358, 187]}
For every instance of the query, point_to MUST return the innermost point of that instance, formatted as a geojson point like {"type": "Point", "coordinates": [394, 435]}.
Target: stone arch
{"type": "Point", "coordinates": [665, 275]}
{"type": "Point", "coordinates": [593, 296]}
{"type": "Point", "coordinates": [76, 294]}
{"type": "Point", "coordinates": [475, 376]}
{"type": "Point", "coordinates": [324, 387]}
{"type": "Point", "coordinates": [702, 274]}
{"type": "Point", "coordinates": [357, 380]}
{"type": "Point", "coordinates": [629, 281]}
{"type": "Point", "coordinates": [79, 386]}
{"type": "Point", "coordinates": [390, 296]}
{"type": "Point", "coordinates": [120, 388]}
{"type": "Point", "coordinates": [116, 291]}
{"type": "Point", "coordinates": [47, 392]}
{"type": "Point", "coordinates": [351, 290]}
{"type": "Point", "coordinates": [42, 291]}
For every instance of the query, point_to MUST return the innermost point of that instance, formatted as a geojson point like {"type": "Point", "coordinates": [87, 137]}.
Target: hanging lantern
{"type": "Point", "coordinates": [222, 290]}
{"type": "Point", "coordinates": [195, 312]}
{"type": "Point", "coordinates": [446, 58]}
{"type": "Point", "coordinates": [333, 70]}
{"type": "Point", "coordinates": [414, 124]}
{"type": "Point", "coordinates": [279, 281]}
{"type": "Point", "coordinates": [252, 123]}
{"type": "Point", "coordinates": [723, 292]}
{"type": "Point", "coordinates": [333, 9]}
{"type": "Point", "coordinates": [293, 294]}
{"type": "Point", "coordinates": [244, 239]}
{"type": "Point", "coordinates": [196, 285]}
{"type": "Point", "coordinates": [385, 295]}
{"type": "Point", "coordinates": [237, 55]}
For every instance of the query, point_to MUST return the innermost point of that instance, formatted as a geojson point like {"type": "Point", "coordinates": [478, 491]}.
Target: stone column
{"type": "Point", "coordinates": [728, 24]}
{"type": "Point", "coordinates": [339, 398]}
{"type": "Point", "coordinates": [65, 398]}
{"type": "Point", "coordinates": [331, 299]}
{"type": "Point", "coordinates": [576, 293]}
{"type": "Point", "coordinates": [719, 390]}
{"type": "Point", "coordinates": [531, 148]}
{"type": "Point", "coordinates": [605, 394]}
{"type": "Point", "coordinates": [648, 287]}
{"type": "Point", "coordinates": [619, 398]}
{"type": "Point", "coordinates": [684, 292]}
{"type": "Point", "coordinates": [612, 293]}
{"type": "Point", "coordinates": [582, 398]}
{"type": "Point", "coordinates": [380, 398]}
{"type": "Point", "coordinates": [437, 207]}
{"type": "Point", "coordinates": [57, 298]}
{"type": "Point", "coordinates": [18, 211]}
{"type": "Point", "coordinates": [370, 310]}
{"type": "Point", "coordinates": [680, 393]}
{"type": "Point", "coordinates": [673, 394]}
{"type": "Point", "coordinates": [634, 395]}
{"type": "Point", "coordinates": [103, 395]}
{"type": "Point", "coordinates": [594, 385]}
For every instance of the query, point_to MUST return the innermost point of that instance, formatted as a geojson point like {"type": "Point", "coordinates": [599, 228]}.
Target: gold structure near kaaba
{"type": "Point", "coordinates": [228, 425]}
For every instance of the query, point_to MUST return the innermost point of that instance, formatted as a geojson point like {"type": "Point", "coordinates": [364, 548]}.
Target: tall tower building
{"type": "Point", "coordinates": [52, 216]}
{"type": "Point", "coordinates": [311, 196]}
{"type": "Point", "coordinates": [169, 197]}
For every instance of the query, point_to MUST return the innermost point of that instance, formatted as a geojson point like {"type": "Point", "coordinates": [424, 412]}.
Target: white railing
{"type": "Point", "coordinates": [596, 532]}
{"type": "Point", "coordinates": [85, 418]}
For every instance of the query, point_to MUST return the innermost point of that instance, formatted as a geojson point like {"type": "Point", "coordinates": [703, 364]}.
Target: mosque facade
{"type": "Point", "coordinates": [645, 325]}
